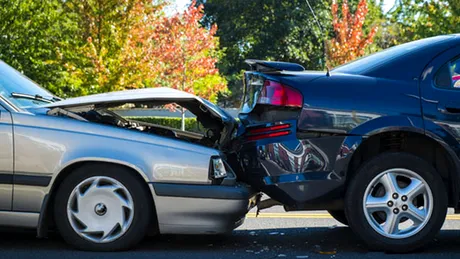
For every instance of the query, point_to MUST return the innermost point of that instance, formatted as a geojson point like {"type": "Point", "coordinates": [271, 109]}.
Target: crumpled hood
{"type": "Point", "coordinates": [138, 95]}
{"type": "Point", "coordinates": [207, 112]}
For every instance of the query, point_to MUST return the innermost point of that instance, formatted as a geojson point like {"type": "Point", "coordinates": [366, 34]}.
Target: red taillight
{"type": "Point", "coordinates": [267, 129]}
{"type": "Point", "coordinates": [269, 132]}
{"type": "Point", "coordinates": [269, 135]}
{"type": "Point", "coordinates": [275, 93]}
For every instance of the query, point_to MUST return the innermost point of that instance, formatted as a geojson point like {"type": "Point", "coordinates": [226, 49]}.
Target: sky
{"type": "Point", "coordinates": [181, 4]}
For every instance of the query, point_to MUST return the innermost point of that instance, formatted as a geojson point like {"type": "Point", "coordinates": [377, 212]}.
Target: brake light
{"type": "Point", "coordinates": [269, 132]}
{"type": "Point", "coordinates": [269, 135]}
{"type": "Point", "coordinates": [267, 129]}
{"type": "Point", "coordinates": [275, 93]}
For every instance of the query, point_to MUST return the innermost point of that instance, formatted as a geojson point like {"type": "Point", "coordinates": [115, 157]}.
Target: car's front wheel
{"type": "Point", "coordinates": [102, 207]}
{"type": "Point", "coordinates": [396, 202]}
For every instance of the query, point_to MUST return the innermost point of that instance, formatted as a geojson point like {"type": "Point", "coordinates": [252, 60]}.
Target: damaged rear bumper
{"type": "Point", "coordinates": [201, 209]}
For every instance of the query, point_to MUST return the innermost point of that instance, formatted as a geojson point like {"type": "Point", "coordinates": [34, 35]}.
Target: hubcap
{"type": "Point", "coordinates": [398, 203]}
{"type": "Point", "coordinates": [100, 209]}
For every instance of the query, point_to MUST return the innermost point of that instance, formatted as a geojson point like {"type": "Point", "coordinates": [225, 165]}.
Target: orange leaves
{"type": "Point", "coordinates": [349, 42]}
{"type": "Point", "coordinates": [176, 51]}
{"type": "Point", "coordinates": [139, 46]}
{"type": "Point", "coordinates": [180, 51]}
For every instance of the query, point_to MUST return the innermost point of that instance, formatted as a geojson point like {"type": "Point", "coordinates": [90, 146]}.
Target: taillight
{"type": "Point", "coordinates": [269, 132]}
{"type": "Point", "coordinates": [268, 129]}
{"type": "Point", "coordinates": [269, 135]}
{"type": "Point", "coordinates": [275, 93]}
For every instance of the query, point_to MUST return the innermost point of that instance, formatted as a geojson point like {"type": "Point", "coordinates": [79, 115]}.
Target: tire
{"type": "Point", "coordinates": [339, 215]}
{"type": "Point", "coordinates": [371, 226]}
{"type": "Point", "coordinates": [129, 204]}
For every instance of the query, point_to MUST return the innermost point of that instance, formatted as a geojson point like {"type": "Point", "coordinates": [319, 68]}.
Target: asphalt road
{"type": "Point", "coordinates": [273, 235]}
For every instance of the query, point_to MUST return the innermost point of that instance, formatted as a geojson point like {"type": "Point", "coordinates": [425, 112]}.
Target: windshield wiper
{"type": "Point", "coordinates": [34, 97]}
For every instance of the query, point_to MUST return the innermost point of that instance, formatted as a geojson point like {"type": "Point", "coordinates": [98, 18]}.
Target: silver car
{"type": "Point", "coordinates": [104, 181]}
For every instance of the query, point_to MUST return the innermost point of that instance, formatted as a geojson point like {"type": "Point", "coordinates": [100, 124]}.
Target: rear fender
{"type": "Point", "coordinates": [401, 124]}
{"type": "Point", "coordinates": [373, 127]}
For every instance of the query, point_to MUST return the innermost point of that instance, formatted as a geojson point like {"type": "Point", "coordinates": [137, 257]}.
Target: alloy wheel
{"type": "Point", "coordinates": [398, 203]}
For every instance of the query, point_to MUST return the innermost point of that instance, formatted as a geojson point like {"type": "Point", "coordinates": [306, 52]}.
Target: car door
{"type": "Point", "coordinates": [440, 91]}
{"type": "Point", "coordinates": [6, 159]}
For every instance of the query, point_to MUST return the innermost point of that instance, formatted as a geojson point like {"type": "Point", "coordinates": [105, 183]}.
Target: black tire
{"type": "Point", "coordinates": [339, 215]}
{"type": "Point", "coordinates": [141, 197]}
{"type": "Point", "coordinates": [355, 195]}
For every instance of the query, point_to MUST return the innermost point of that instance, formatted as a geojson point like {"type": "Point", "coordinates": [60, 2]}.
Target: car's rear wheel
{"type": "Point", "coordinates": [339, 215]}
{"type": "Point", "coordinates": [396, 202]}
{"type": "Point", "coordinates": [102, 207]}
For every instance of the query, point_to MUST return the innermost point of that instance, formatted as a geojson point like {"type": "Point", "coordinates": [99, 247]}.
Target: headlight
{"type": "Point", "coordinates": [218, 168]}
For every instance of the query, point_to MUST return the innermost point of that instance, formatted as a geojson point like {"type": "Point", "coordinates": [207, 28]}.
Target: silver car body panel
{"type": "Point", "coordinates": [37, 148]}
{"type": "Point", "coordinates": [19, 219]}
{"type": "Point", "coordinates": [6, 159]}
{"type": "Point", "coordinates": [45, 145]}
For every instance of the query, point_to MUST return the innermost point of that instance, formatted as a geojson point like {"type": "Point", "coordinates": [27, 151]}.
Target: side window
{"type": "Point", "coordinates": [448, 76]}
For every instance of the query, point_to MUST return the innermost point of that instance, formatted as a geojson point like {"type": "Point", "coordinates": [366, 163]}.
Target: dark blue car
{"type": "Point", "coordinates": [375, 141]}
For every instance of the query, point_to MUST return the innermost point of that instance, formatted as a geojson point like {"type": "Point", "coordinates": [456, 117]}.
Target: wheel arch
{"type": "Point", "coordinates": [46, 214]}
{"type": "Point", "coordinates": [412, 141]}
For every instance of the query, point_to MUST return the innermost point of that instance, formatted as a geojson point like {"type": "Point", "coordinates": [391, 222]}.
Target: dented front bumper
{"type": "Point", "coordinates": [201, 209]}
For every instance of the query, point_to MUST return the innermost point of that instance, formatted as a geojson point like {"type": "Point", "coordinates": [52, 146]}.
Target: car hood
{"type": "Point", "coordinates": [162, 95]}
{"type": "Point", "coordinates": [139, 95]}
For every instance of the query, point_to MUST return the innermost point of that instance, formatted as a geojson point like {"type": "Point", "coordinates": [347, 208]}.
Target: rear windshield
{"type": "Point", "coordinates": [366, 63]}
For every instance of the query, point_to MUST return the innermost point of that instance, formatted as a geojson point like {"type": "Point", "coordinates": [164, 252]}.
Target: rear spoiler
{"type": "Point", "coordinates": [273, 66]}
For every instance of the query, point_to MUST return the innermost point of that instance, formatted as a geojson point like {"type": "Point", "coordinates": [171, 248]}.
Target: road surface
{"type": "Point", "coordinates": [274, 234]}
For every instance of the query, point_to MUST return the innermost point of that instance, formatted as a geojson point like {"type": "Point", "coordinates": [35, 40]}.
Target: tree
{"type": "Point", "coordinates": [418, 19]}
{"type": "Point", "coordinates": [349, 41]}
{"type": "Point", "coordinates": [37, 38]}
{"type": "Point", "coordinates": [79, 47]}
{"type": "Point", "coordinates": [178, 52]}
{"type": "Point", "coordinates": [109, 59]}
{"type": "Point", "coordinates": [133, 44]}
{"type": "Point", "coordinates": [271, 30]}
{"type": "Point", "coordinates": [181, 53]}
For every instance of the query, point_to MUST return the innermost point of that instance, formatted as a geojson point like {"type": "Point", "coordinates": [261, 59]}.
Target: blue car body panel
{"type": "Point", "coordinates": [340, 112]}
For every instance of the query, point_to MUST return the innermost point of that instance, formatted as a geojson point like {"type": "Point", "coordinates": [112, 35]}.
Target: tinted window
{"type": "Point", "coordinates": [365, 63]}
{"type": "Point", "coordinates": [448, 76]}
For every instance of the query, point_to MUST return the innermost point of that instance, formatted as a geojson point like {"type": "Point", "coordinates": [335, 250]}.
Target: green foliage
{"type": "Point", "coordinates": [418, 19]}
{"type": "Point", "coordinates": [272, 30]}
{"type": "Point", "coordinates": [35, 38]}
{"type": "Point", "coordinates": [79, 47]}
{"type": "Point", "coordinates": [191, 124]}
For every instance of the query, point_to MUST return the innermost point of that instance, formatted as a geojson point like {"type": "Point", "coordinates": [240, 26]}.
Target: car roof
{"type": "Point", "coordinates": [402, 62]}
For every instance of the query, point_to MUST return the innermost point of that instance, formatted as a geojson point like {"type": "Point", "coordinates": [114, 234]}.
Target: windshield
{"type": "Point", "coordinates": [363, 64]}
{"type": "Point", "coordinates": [11, 81]}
